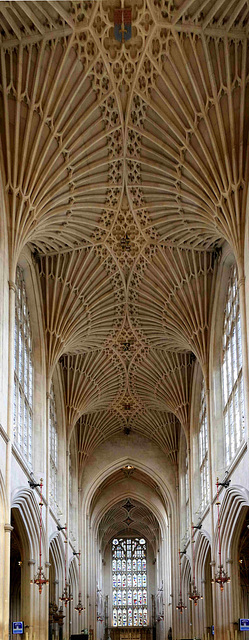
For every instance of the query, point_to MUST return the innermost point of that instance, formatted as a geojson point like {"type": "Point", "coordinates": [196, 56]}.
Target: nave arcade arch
{"type": "Point", "coordinates": [151, 518]}
{"type": "Point", "coordinates": [25, 602]}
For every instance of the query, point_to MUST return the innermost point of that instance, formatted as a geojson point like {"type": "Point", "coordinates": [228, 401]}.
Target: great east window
{"type": "Point", "coordinates": [129, 581]}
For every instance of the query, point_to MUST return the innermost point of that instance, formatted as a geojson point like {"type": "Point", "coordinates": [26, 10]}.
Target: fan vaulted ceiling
{"type": "Point", "coordinates": [125, 168]}
{"type": "Point", "coordinates": [143, 522]}
{"type": "Point", "coordinates": [127, 516]}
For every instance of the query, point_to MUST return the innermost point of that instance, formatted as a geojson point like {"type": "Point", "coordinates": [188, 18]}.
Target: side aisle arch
{"type": "Point", "coordinates": [234, 510]}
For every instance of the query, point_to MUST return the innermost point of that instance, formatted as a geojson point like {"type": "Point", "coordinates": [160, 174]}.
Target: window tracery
{"type": "Point", "coordinates": [187, 493]}
{"type": "Point", "coordinates": [53, 437]}
{"type": "Point", "coordinates": [70, 482]}
{"type": "Point", "coordinates": [129, 582]}
{"type": "Point", "coordinates": [232, 377]}
{"type": "Point", "coordinates": [23, 371]}
{"type": "Point", "coordinates": [203, 449]}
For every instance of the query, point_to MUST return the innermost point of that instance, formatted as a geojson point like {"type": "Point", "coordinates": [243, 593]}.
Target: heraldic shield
{"type": "Point", "coordinates": [122, 24]}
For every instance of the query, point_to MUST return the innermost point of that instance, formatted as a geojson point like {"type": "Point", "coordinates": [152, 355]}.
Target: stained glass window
{"type": "Point", "coordinates": [129, 580]}
{"type": "Point", "coordinates": [203, 449]}
{"type": "Point", "coordinates": [232, 378]}
{"type": "Point", "coordinates": [23, 372]}
{"type": "Point", "coordinates": [53, 439]}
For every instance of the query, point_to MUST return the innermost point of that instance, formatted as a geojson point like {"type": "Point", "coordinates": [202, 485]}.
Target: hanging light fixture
{"type": "Point", "coordinates": [79, 606]}
{"type": "Point", "coordinates": [40, 579]}
{"type": "Point", "coordinates": [194, 594]}
{"type": "Point", "coordinates": [221, 577]}
{"type": "Point", "coordinates": [180, 605]}
{"type": "Point", "coordinates": [66, 595]}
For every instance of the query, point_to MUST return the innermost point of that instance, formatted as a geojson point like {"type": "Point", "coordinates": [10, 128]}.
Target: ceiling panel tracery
{"type": "Point", "coordinates": [171, 296]}
{"type": "Point", "coordinates": [143, 523]}
{"type": "Point", "coordinates": [83, 301]}
{"type": "Point", "coordinates": [125, 166]}
{"type": "Point", "coordinates": [91, 382]}
{"type": "Point", "coordinates": [163, 382]}
{"type": "Point", "coordinates": [194, 135]}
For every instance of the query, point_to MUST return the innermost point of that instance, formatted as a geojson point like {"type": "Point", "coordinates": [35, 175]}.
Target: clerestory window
{"type": "Point", "coordinates": [203, 449]}
{"type": "Point", "coordinates": [70, 484]}
{"type": "Point", "coordinates": [23, 372]}
{"type": "Point", "coordinates": [232, 377]}
{"type": "Point", "coordinates": [129, 581]}
{"type": "Point", "coordinates": [187, 494]}
{"type": "Point", "coordinates": [53, 440]}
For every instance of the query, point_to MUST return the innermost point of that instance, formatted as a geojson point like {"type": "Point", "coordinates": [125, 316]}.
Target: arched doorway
{"type": "Point", "coordinates": [129, 506]}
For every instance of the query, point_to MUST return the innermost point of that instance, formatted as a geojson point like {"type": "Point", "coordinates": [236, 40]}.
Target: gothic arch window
{"type": "Point", "coordinates": [70, 475]}
{"type": "Point", "coordinates": [203, 449]}
{"type": "Point", "coordinates": [232, 378]}
{"type": "Point", "coordinates": [70, 481]}
{"type": "Point", "coordinates": [187, 493]}
{"type": "Point", "coordinates": [23, 372]}
{"type": "Point", "coordinates": [53, 438]}
{"type": "Point", "coordinates": [129, 582]}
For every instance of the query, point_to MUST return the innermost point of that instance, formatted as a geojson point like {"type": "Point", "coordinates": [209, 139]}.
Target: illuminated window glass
{"type": "Point", "coordinates": [53, 439]}
{"type": "Point", "coordinates": [233, 392]}
{"type": "Point", "coordinates": [129, 580]}
{"type": "Point", "coordinates": [23, 372]}
{"type": "Point", "coordinates": [203, 449]}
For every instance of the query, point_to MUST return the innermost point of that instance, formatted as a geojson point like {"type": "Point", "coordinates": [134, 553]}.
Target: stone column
{"type": "Point", "coordinates": [211, 483]}
{"type": "Point", "coordinates": [8, 528]}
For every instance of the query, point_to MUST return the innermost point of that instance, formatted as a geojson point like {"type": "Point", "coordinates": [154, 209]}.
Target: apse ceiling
{"type": "Point", "coordinates": [125, 161]}
{"type": "Point", "coordinates": [128, 516]}
{"type": "Point", "coordinates": [139, 521]}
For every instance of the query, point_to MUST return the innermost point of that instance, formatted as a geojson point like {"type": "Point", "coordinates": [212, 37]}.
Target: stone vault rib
{"type": "Point", "coordinates": [83, 301]}
{"type": "Point", "coordinates": [171, 299]}
{"type": "Point", "coordinates": [92, 382]}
